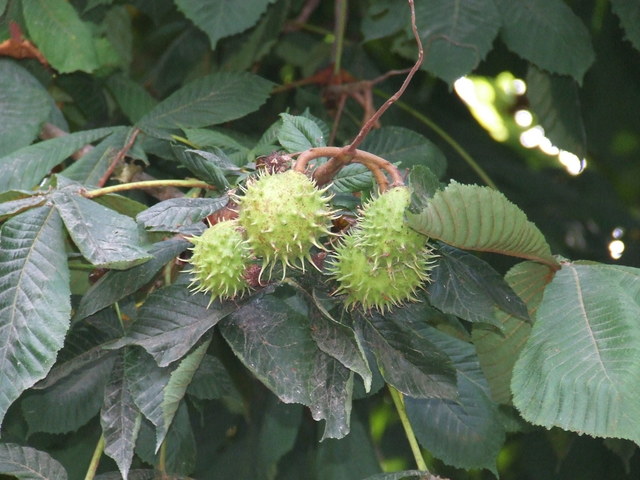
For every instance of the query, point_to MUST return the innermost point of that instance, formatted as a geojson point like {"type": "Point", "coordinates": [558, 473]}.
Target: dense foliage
{"type": "Point", "coordinates": [490, 329]}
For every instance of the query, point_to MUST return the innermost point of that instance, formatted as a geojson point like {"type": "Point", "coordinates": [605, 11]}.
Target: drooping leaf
{"type": "Point", "coordinates": [547, 33]}
{"type": "Point", "coordinates": [25, 168]}
{"type": "Point", "coordinates": [580, 369]}
{"type": "Point", "coordinates": [176, 388]}
{"type": "Point", "coordinates": [173, 320]}
{"type": "Point", "coordinates": [26, 463]}
{"type": "Point", "coordinates": [120, 419]}
{"type": "Point", "coordinates": [75, 399]}
{"type": "Point", "coordinates": [174, 214]}
{"type": "Point", "coordinates": [25, 106]}
{"type": "Point", "coordinates": [554, 100]}
{"type": "Point", "coordinates": [90, 168]}
{"type": "Point", "coordinates": [498, 351]}
{"type": "Point", "coordinates": [104, 237]}
{"type": "Point", "coordinates": [222, 18]}
{"type": "Point", "coordinates": [456, 34]}
{"type": "Point", "coordinates": [115, 285]}
{"type": "Point", "coordinates": [64, 39]}
{"type": "Point", "coordinates": [405, 148]}
{"type": "Point", "coordinates": [480, 218]}
{"type": "Point", "coordinates": [216, 98]}
{"type": "Point", "coordinates": [207, 166]}
{"type": "Point", "coordinates": [134, 101]}
{"type": "Point", "coordinates": [274, 341]}
{"type": "Point", "coordinates": [299, 133]}
{"type": "Point", "coordinates": [34, 299]}
{"type": "Point", "coordinates": [468, 287]}
{"type": "Point", "coordinates": [629, 15]}
{"type": "Point", "coordinates": [466, 432]}
{"type": "Point", "coordinates": [411, 363]}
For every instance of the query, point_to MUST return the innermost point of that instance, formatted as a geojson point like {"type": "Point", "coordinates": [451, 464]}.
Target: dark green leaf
{"type": "Point", "coordinates": [212, 381]}
{"type": "Point", "coordinates": [174, 214]}
{"type": "Point", "coordinates": [352, 178]}
{"type": "Point", "coordinates": [547, 33]}
{"type": "Point", "coordinates": [222, 18]}
{"type": "Point", "coordinates": [26, 463]}
{"type": "Point", "coordinates": [554, 100]}
{"type": "Point", "coordinates": [409, 362]}
{"type": "Point", "coordinates": [104, 237]}
{"type": "Point", "coordinates": [25, 168]}
{"type": "Point", "coordinates": [173, 320]}
{"type": "Point", "coordinates": [115, 285]}
{"type": "Point", "coordinates": [383, 18]}
{"type": "Point", "coordinates": [468, 287]}
{"type": "Point", "coordinates": [25, 107]}
{"type": "Point", "coordinates": [405, 475]}
{"type": "Point", "coordinates": [406, 149]}
{"type": "Point", "coordinates": [75, 399]}
{"type": "Point", "coordinates": [298, 133]}
{"type": "Point", "coordinates": [90, 168]}
{"type": "Point", "coordinates": [34, 299]}
{"type": "Point", "coordinates": [120, 419]}
{"type": "Point", "coordinates": [203, 137]}
{"type": "Point", "coordinates": [134, 101]}
{"type": "Point", "coordinates": [456, 35]}
{"type": "Point", "coordinates": [498, 351]}
{"type": "Point", "coordinates": [580, 369]}
{"type": "Point", "coordinates": [64, 39]}
{"type": "Point", "coordinates": [207, 166]}
{"type": "Point", "coordinates": [274, 341]}
{"type": "Point", "coordinates": [347, 458]}
{"type": "Point", "coordinates": [467, 432]}
{"type": "Point", "coordinates": [629, 14]}
{"type": "Point", "coordinates": [210, 100]}
{"type": "Point", "coordinates": [119, 36]}
{"type": "Point", "coordinates": [480, 218]}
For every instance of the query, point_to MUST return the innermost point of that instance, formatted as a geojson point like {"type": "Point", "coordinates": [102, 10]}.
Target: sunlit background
{"type": "Point", "coordinates": [489, 97]}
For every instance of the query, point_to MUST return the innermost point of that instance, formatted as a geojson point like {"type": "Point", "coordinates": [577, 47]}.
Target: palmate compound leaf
{"type": "Point", "coordinates": [498, 351]}
{"type": "Point", "coordinates": [173, 320]}
{"type": "Point", "coordinates": [26, 463]}
{"type": "Point", "coordinates": [25, 168]}
{"type": "Point", "coordinates": [580, 369]}
{"type": "Point", "coordinates": [210, 100]}
{"type": "Point", "coordinates": [480, 218]}
{"type": "Point", "coordinates": [273, 339]}
{"type": "Point", "coordinates": [34, 299]}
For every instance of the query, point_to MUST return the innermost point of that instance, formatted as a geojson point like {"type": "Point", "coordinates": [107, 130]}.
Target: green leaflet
{"type": "Point", "coordinates": [34, 299]}
{"type": "Point", "coordinates": [480, 218]}
{"type": "Point", "coordinates": [547, 33]}
{"type": "Point", "coordinates": [26, 463]}
{"type": "Point", "coordinates": [580, 369]}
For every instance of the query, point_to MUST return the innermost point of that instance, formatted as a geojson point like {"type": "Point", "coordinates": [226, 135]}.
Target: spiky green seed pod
{"type": "Point", "coordinates": [382, 262]}
{"type": "Point", "coordinates": [220, 257]}
{"type": "Point", "coordinates": [283, 216]}
{"type": "Point", "coordinates": [370, 283]}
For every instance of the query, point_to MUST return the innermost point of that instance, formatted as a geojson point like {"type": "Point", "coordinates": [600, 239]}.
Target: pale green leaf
{"type": "Point", "coordinates": [12, 207]}
{"type": "Point", "coordinates": [547, 33]}
{"type": "Point", "coordinates": [63, 38]}
{"type": "Point", "coordinates": [498, 351]}
{"type": "Point", "coordinates": [480, 218]}
{"type": "Point", "coordinates": [298, 133]}
{"type": "Point", "coordinates": [629, 14]}
{"type": "Point", "coordinates": [26, 463]}
{"type": "Point", "coordinates": [104, 237]}
{"type": "Point", "coordinates": [25, 168]}
{"type": "Point", "coordinates": [120, 419]}
{"type": "Point", "coordinates": [34, 299]}
{"type": "Point", "coordinates": [222, 18]}
{"type": "Point", "coordinates": [580, 369]}
{"type": "Point", "coordinates": [210, 100]}
{"type": "Point", "coordinates": [25, 106]}
{"type": "Point", "coordinates": [456, 34]}
{"type": "Point", "coordinates": [554, 101]}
